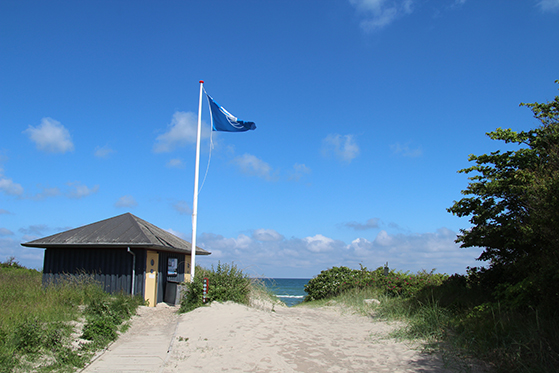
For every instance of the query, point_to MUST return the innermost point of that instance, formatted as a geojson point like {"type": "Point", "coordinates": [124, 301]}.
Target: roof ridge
{"type": "Point", "coordinates": [153, 230]}
{"type": "Point", "coordinates": [137, 224]}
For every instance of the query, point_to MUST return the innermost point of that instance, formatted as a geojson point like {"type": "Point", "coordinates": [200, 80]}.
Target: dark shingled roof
{"type": "Point", "coordinates": [124, 230]}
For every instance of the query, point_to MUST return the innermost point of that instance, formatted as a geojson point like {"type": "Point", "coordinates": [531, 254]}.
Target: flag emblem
{"type": "Point", "coordinates": [222, 120]}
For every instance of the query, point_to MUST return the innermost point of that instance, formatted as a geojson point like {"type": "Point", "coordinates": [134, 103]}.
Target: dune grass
{"type": "Point", "coordinates": [37, 321]}
{"type": "Point", "coordinates": [262, 297]}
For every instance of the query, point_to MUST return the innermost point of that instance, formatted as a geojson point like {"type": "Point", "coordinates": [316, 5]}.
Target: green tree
{"type": "Point", "coordinates": [513, 204]}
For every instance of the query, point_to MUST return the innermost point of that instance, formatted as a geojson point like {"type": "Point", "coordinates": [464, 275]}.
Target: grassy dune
{"type": "Point", "coordinates": [39, 325]}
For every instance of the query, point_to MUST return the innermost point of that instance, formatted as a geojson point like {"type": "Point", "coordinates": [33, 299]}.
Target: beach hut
{"type": "Point", "coordinates": [123, 253]}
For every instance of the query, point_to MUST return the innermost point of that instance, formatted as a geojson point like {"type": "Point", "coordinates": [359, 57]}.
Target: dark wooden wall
{"type": "Point", "coordinates": [112, 268]}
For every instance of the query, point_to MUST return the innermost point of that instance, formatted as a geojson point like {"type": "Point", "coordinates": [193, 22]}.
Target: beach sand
{"type": "Point", "coordinates": [232, 337]}
{"type": "Point", "coordinates": [229, 337]}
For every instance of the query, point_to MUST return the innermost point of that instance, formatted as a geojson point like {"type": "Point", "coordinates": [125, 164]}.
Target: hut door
{"type": "Point", "coordinates": [152, 265]}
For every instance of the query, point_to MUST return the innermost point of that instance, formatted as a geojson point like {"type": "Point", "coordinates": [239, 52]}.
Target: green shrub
{"type": "Point", "coordinates": [226, 283]}
{"type": "Point", "coordinates": [32, 336]}
{"type": "Point", "coordinates": [66, 357]}
{"type": "Point", "coordinates": [100, 330]}
{"type": "Point", "coordinates": [337, 280]}
{"type": "Point", "coordinates": [11, 262]}
{"type": "Point", "coordinates": [331, 282]}
{"type": "Point", "coordinates": [105, 314]}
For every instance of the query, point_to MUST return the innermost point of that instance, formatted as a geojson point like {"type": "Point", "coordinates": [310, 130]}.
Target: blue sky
{"type": "Point", "coordinates": [365, 110]}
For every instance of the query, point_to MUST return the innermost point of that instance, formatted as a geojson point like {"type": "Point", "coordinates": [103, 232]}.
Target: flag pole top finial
{"type": "Point", "coordinates": [201, 81]}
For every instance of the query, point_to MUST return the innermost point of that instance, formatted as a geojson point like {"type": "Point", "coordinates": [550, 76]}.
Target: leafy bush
{"type": "Point", "coordinates": [32, 336]}
{"type": "Point", "coordinates": [226, 283]}
{"type": "Point", "coordinates": [11, 262]}
{"type": "Point", "coordinates": [338, 280]}
{"type": "Point", "coordinates": [101, 330]}
{"type": "Point", "coordinates": [405, 284]}
{"type": "Point", "coordinates": [331, 282]}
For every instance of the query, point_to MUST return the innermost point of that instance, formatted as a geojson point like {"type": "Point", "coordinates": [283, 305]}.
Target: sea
{"type": "Point", "coordinates": [290, 291]}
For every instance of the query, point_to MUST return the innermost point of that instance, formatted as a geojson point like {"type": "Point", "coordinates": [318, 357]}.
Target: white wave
{"type": "Point", "coordinates": [290, 296]}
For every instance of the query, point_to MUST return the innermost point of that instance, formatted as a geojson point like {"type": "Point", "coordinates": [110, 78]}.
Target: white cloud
{"type": "Point", "coordinates": [45, 193]}
{"type": "Point", "coordinates": [361, 246]}
{"type": "Point", "coordinates": [78, 190]}
{"type": "Point", "coordinates": [378, 14]}
{"type": "Point", "coordinates": [383, 239]}
{"type": "Point", "coordinates": [269, 242]}
{"type": "Point", "coordinates": [9, 187]}
{"type": "Point", "coordinates": [343, 147]}
{"type": "Point", "coordinates": [126, 201]}
{"type": "Point", "coordinates": [34, 230]}
{"type": "Point", "coordinates": [217, 242]}
{"type": "Point", "coordinates": [252, 165]}
{"type": "Point", "coordinates": [6, 232]}
{"type": "Point", "coordinates": [175, 163]}
{"type": "Point", "coordinates": [417, 251]}
{"type": "Point", "coordinates": [405, 150]}
{"type": "Point", "coordinates": [320, 243]}
{"type": "Point", "coordinates": [243, 242]}
{"type": "Point", "coordinates": [548, 5]}
{"type": "Point", "coordinates": [179, 234]}
{"type": "Point", "coordinates": [50, 136]}
{"type": "Point", "coordinates": [369, 224]}
{"type": "Point", "coordinates": [181, 131]}
{"type": "Point", "coordinates": [299, 170]}
{"type": "Point", "coordinates": [75, 190]}
{"type": "Point", "coordinates": [266, 235]}
{"type": "Point", "coordinates": [272, 253]}
{"type": "Point", "coordinates": [103, 152]}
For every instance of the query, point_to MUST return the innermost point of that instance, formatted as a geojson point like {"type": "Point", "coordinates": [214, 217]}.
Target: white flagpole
{"type": "Point", "coordinates": [195, 203]}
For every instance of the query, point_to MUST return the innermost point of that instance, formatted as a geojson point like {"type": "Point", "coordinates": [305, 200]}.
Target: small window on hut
{"type": "Point", "coordinates": [172, 265]}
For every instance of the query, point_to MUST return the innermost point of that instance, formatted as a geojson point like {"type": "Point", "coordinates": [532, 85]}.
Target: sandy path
{"type": "Point", "coordinates": [144, 347]}
{"type": "Point", "coordinates": [228, 337]}
{"type": "Point", "coordinates": [235, 338]}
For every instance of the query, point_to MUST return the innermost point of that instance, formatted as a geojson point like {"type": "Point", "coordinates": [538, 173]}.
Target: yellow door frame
{"type": "Point", "coordinates": [152, 265]}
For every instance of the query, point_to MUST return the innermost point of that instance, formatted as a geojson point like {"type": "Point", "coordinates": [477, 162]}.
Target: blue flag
{"type": "Point", "coordinates": [222, 120]}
